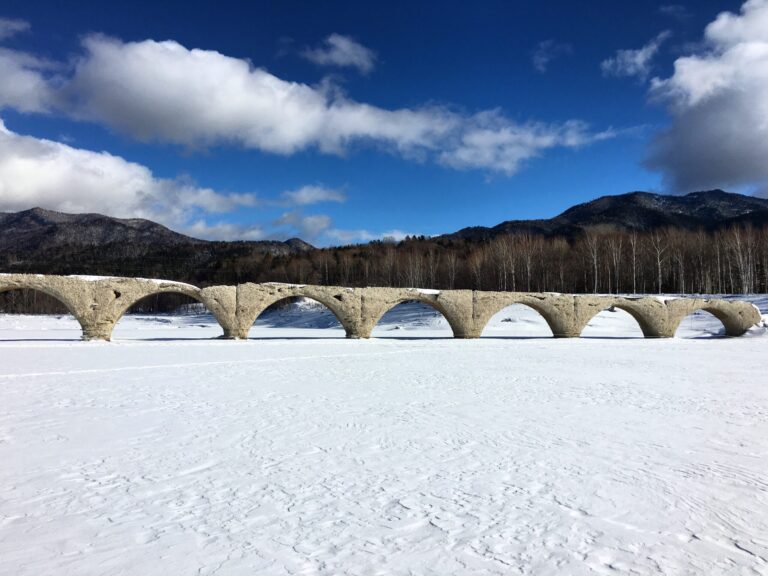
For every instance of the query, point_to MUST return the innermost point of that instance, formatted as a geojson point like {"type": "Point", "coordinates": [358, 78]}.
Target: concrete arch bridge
{"type": "Point", "coordinates": [98, 303]}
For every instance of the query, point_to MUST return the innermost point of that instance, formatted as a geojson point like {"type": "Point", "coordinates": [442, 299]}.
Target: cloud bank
{"type": "Point", "coordinates": [718, 99]}
{"type": "Point", "coordinates": [40, 172]}
{"type": "Point", "coordinates": [163, 91]}
{"type": "Point", "coordinates": [166, 92]}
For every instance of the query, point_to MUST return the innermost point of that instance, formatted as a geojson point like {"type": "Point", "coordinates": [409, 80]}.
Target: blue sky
{"type": "Point", "coordinates": [345, 121]}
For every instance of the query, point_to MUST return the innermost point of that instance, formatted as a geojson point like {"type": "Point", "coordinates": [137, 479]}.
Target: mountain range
{"type": "Point", "coordinates": [44, 241]}
{"type": "Point", "coordinates": [642, 211]}
{"type": "Point", "coordinates": [39, 229]}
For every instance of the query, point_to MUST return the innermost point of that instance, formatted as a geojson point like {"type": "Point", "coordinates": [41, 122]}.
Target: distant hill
{"type": "Point", "coordinates": [637, 210]}
{"type": "Point", "coordinates": [40, 240]}
{"type": "Point", "coordinates": [40, 229]}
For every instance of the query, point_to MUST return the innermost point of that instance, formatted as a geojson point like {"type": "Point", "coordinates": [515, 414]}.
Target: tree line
{"type": "Point", "coordinates": [733, 260]}
{"type": "Point", "coordinates": [600, 260]}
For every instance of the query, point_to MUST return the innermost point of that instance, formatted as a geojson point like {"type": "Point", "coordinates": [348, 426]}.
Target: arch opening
{"type": "Point", "coordinates": [413, 319]}
{"type": "Point", "coordinates": [34, 314]}
{"type": "Point", "coordinates": [517, 320]}
{"type": "Point", "coordinates": [166, 316]}
{"type": "Point", "coordinates": [297, 317]}
{"type": "Point", "coordinates": [701, 323]}
{"type": "Point", "coordinates": [613, 322]}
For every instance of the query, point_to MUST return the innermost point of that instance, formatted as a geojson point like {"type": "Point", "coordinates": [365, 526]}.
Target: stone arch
{"type": "Point", "coordinates": [45, 285]}
{"type": "Point", "coordinates": [556, 323]}
{"type": "Point", "coordinates": [714, 313]}
{"type": "Point", "coordinates": [647, 329]}
{"type": "Point", "coordinates": [174, 317]}
{"type": "Point", "coordinates": [125, 301]}
{"type": "Point", "coordinates": [423, 303]}
{"type": "Point", "coordinates": [327, 302]}
{"type": "Point", "coordinates": [456, 324]}
{"type": "Point", "coordinates": [63, 300]}
{"type": "Point", "coordinates": [736, 316]}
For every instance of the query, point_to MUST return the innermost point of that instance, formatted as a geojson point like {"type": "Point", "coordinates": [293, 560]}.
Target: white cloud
{"type": "Point", "coordinates": [315, 227]}
{"type": "Point", "coordinates": [492, 142]}
{"type": "Point", "coordinates": [163, 91]}
{"type": "Point", "coordinates": [312, 226]}
{"type": "Point", "coordinates": [9, 27]}
{"type": "Point", "coordinates": [718, 98]}
{"type": "Point", "coordinates": [24, 84]}
{"type": "Point", "coordinates": [342, 51]}
{"type": "Point", "coordinates": [295, 223]}
{"type": "Point", "coordinates": [676, 11]}
{"type": "Point", "coordinates": [546, 51]}
{"type": "Point", "coordinates": [636, 63]}
{"type": "Point", "coordinates": [57, 176]}
{"type": "Point", "coordinates": [223, 231]}
{"type": "Point", "coordinates": [197, 98]}
{"type": "Point", "coordinates": [341, 236]}
{"type": "Point", "coordinates": [313, 195]}
{"type": "Point", "coordinates": [38, 172]}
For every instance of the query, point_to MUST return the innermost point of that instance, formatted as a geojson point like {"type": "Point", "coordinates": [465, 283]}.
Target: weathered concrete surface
{"type": "Point", "coordinates": [98, 304]}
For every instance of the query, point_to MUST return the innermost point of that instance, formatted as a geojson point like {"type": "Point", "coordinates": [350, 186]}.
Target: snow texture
{"type": "Point", "coordinates": [301, 452]}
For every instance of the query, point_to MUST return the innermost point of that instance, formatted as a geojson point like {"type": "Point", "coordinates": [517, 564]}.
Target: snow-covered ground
{"type": "Point", "coordinates": [166, 452]}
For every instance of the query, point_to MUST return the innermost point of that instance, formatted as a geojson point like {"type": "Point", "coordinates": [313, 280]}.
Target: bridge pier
{"type": "Point", "coordinates": [96, 331]}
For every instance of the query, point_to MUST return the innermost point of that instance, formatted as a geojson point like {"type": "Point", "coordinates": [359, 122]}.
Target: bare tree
{"type": "Point", "coordinates": [345, 268]}
{"type": "Point", "coordinates": [527, 245]}
{"type": "Point", "coordinates": [615, 244]}
{"type": "Point", "coordinates": [592, 244]}
{"type": "Point", "coordinates": [500, 249]}
{"type": "Point", "coordinates": [452, 266]}
{"type": "Point", "coordinates": [658, 240]}
{"type": "Point", "coordinates": [633, 252]}
{"type": "Point", "coordinates": [433, 265]}
{"type": "Point", "coordinates": [476, 261]}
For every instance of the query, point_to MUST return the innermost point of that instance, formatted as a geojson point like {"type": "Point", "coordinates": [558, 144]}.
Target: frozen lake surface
{"type": "Point", "coordinates": [300, 452]}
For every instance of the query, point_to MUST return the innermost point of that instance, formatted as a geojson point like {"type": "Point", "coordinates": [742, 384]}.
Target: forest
{"type": "Point", "coordinates": [733, 260]}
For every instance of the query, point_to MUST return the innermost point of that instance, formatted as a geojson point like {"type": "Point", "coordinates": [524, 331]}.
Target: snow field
{"type": "Point", "coordinates": [300, 453]}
